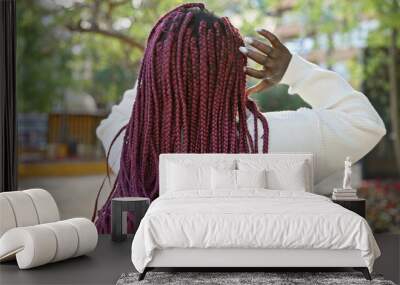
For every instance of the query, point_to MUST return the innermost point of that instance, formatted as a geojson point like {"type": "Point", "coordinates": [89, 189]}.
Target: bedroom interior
{"type": "Point", "coordinates": [279, 210]}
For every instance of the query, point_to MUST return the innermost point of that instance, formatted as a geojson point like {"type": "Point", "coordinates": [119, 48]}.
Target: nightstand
{"type": "Point", "coordinates": [137, 205]}
{"type": "Point", "coordinates": [357, 206]}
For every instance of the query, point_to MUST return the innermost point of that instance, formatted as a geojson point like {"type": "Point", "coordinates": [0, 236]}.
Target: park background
{"type": "Point", "coordinates": [75, 59]}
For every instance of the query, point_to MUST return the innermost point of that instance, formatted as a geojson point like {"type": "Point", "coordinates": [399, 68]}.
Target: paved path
{"type": "Point", "coordinates": [74, 195]}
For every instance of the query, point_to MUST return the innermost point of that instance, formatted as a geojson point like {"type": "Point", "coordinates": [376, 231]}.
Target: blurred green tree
{"type": "Point", "coordinates": [96, 46]}
{"type": "Point", "coordinates": [91, 46]}
{"type": "Point", "coordinates": [388, 14]}
{"type": "Point", "coordinates": [43, 59]}
{"type": "Point", "coordinates": [331, 18]}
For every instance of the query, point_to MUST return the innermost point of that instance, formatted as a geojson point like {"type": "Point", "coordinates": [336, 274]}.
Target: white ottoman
{"type": "Point", "coordinates": [31, 232]}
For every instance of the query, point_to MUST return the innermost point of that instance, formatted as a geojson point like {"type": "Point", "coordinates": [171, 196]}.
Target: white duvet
{"type": "Point", "coordinates": [250, 219]}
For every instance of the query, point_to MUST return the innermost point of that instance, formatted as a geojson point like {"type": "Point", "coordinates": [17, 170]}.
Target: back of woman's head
{"type": "Point", "coordinates": [193, 70]}
{"type": "Point", "coordinates": [190, 97]}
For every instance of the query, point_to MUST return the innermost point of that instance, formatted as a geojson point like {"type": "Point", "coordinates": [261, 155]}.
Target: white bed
{"type": "Point", "coordinates": [249, 227]}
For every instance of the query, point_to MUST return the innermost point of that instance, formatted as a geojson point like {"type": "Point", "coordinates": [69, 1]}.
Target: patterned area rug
{"type": "Point", "coordinates": [243, 278]}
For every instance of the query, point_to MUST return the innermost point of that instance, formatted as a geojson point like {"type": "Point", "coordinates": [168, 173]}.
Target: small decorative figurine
{"type": "Point", "coordinates": [347, 174]}
{"type": "Point", "coordinates": [345, 193]}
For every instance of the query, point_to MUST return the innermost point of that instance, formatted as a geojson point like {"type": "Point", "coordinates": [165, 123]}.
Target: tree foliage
{"type": "Point", "coordinates": [95, 46]}
{"type": "Point", "coordinates": [43, 70]}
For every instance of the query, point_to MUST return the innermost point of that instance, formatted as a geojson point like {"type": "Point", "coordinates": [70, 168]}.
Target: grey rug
{"type": "Point", "coordinates": [243, 278]}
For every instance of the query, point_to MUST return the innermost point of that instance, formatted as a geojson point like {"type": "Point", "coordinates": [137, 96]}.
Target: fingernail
{"type": "Point", "coordinates": [259, 30]}
{"type": "Point", "coordinates": [243, 50]}
{"type": "Point", "coordinates": [244, 68]}
{"type": "Point", "coordinates": [248, 40]}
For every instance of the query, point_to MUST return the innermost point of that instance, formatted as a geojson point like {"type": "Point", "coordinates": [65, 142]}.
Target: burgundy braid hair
{"type": "Point", "coordinates": [190, 99]}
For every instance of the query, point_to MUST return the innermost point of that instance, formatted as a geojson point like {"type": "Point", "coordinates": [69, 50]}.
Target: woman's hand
{"type": "Point", "coordinates": [274, 59]}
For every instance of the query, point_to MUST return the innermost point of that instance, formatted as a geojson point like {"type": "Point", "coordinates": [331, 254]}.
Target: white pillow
{"type": "Point", "coordinates": [251, 178]}
{"type": "Point", "coordinates": [181, 177]}
{"type": "Point", "coordinates": [293, 178]}
{"type": "Point", "coordinates": [229, 179]}
{"type": "Point", "coordinates": [223, 179]}
{"type": "Point", "coordinates": [281, 174]}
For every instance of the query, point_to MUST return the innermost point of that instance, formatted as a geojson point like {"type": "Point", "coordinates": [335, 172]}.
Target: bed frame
{"type": "Point", "coordinates": [248, 259]}
{"type": "Point", "coordinates": [260, 259]}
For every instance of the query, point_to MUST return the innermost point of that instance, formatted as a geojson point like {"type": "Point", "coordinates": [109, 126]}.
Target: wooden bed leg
{"type": "Point", "coordinates": [143, 274]}
{"type": "Point", "coordinates": [364, 271]}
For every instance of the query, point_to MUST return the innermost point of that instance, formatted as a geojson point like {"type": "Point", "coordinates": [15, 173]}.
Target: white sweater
{"type": "Point", "coordinates": [342, 121]}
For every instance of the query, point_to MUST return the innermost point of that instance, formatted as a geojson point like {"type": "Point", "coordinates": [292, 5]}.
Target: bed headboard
{"type": "Point", "coordinates": [203, 158]}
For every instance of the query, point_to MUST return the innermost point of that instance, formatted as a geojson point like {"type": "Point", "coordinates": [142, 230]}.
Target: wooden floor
{"type": "Point", "coordinates": [110, 259]}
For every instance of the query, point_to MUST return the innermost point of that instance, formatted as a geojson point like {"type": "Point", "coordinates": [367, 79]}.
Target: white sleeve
{"type": "Point", "coordinates": [109, 127]}
{"type": "Point", "coordinates": [342, 121]}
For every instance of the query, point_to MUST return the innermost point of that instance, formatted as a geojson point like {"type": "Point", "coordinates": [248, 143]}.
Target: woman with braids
{"type": "Point", "coordinates": [190, 97]}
